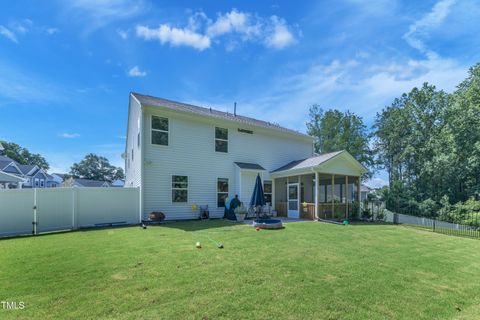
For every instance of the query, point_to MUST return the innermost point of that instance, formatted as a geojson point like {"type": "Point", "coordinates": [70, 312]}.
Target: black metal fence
{"type": "Point", "coordinates": [471, 230]}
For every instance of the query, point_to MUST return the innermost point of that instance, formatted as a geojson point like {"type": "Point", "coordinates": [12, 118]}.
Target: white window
{"type": "Point", "coordinates": [179, 189]}
{"type": "Point", "coordinates": [42, 183]}
{"type": "Point", "coordinates": [222, 191]}
{"type": "Point", "coordinates": [221, 139]}
{"type": "Point", "coordinates": [37, 182]}
{"type": "Point", "coordinates": [159, 131]}
{"type": "Point", "coordinates": [267, 191]}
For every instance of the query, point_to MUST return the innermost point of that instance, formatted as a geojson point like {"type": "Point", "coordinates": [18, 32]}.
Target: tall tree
{"type": "Point", "coordinates": [23, 155]}
{"type": "Point", "coordinates": [96, 168]}
{"type": "Point", "coordinates": [334, 130]}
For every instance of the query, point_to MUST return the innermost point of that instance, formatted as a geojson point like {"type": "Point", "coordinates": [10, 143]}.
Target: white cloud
{"type": "Point", "coordinates": [51, 31]}
{"type": "Point", "coordinates": [421, 27]}
{"type": "Point", "coordinates": [135, 72]}
{"type": "Point", "coordinates": [7, 33]}
{"type": "Point", "coordinates": [174, 36]}
{"type": "Point", "coordinates": [22, 86]}
{"type": "Point", "coordinates": [236, 26]}
{"type": "Point", "coordinates": [69, 135]}
{"type": "Point", "coordinates": [280, 36]}
{"type": "Point", "coordinates": [234, 21]}
{"type": "Point", "coordinates": [122, 34]}
{"type": "Point", "coordinates": [98, 13]}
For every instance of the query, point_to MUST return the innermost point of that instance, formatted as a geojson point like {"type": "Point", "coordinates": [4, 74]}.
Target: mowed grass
{"type": "Point", "coordinates": [309, 270]}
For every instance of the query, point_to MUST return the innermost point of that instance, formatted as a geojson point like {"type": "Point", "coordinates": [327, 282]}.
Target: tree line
{"type": "Point", "coordinates": [91, 167]}
{"type": "Point", "coordinates": [427, 140]}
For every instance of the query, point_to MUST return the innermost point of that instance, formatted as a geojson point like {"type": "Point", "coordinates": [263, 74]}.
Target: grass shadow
{"type": "Point", "coordinates": [196, 225]}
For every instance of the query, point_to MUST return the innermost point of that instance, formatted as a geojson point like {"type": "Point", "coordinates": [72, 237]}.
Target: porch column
{"type": "Point", "coordinates": [315, 216]}
{"type": "Point", "coordinates": [358, 194]}
{"type": "Point", "coordinates": [274, 206]}
{"type": "Point", "coordinates": [333, 195]}
{"type": "Point", "coordinates": [346, 197]}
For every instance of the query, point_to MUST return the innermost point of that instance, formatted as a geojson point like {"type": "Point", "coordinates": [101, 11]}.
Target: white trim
{"type": "Point", "coordinates": [12, 176]}
{"type": "Point", "coordinates": [297, 214]}
{"type": "Point", "coordinates": [171, 188]}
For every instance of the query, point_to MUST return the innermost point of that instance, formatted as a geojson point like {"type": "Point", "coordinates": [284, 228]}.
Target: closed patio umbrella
{"type": "Point", "coordinates": [258, 198]}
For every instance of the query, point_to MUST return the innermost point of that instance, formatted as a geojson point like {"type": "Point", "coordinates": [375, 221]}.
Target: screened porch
{"type": "Point", "coordinates": [338, 196]}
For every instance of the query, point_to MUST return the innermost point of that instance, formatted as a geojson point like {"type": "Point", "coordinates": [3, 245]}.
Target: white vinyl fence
{"type": "Point", "coordinates": [27, 211]}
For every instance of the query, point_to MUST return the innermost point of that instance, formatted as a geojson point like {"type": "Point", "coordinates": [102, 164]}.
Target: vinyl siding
{"type": "Point", "coordinates": [133, 167]}
{"type": "Point", "coordinates": [191, 152]}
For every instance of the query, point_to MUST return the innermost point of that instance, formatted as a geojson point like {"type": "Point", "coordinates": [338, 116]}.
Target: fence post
{"type": "Point", "coordinates": [434, 221]}
{"type": "Point", "coordinates": [73, 208]}
{"type": "Point", "coordinates": [34, 222]}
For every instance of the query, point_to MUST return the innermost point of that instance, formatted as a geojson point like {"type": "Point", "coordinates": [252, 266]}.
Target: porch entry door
{"type": "Point", "coordinates": [293, 200]}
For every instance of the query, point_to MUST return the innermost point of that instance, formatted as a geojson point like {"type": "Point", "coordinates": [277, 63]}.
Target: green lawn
{"type": "Point", "coordinates": [309, 270]}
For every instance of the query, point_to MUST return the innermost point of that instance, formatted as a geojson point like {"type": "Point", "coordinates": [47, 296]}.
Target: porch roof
{"type": "Point", "coordinates": [339, 162]}
{"type": "Point", "coordinates": [7, 177]}
{"type": "Point", "coordinates": [249, 166]}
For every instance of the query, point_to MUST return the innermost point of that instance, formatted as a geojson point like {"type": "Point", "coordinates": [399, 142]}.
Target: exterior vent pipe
{"type": "Point", "coordinates": [235, 109]}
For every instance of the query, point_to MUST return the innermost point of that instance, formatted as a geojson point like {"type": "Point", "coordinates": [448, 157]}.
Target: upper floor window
{"type": "Point", "coordinates": [159, 131]}
{"type": "Point", "coordinates": [222, 192]}
{"type": "Point", "coordinates": [221, 139]}
{"type": "Point", "coordinates": [37, 182]}
{"type": "Point", "coordinates": [179, 189]}
{"type": "Point", "coordinates": [42, 183]}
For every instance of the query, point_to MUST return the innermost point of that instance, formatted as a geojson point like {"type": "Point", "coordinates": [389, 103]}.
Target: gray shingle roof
{"type": "Point", "coordinates": [90, 183]}
{"type": "Point", "coordinates": [25, 168]}
{"type": "Point", "coordinates": [250, 166]}
{"type": "Point", "coordinates": [209, 112]}
{"type": "Point", "coordinates": [4, 163]}
{"type": "Point", "coordinates": [308, 162]}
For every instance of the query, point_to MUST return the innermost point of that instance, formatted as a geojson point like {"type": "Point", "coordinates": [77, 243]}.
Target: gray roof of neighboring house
{"type": "Point", "coordinates": [90, 183]}
{"type": "Point", "coordinates": [209, 112]}
{"type": "Point", "coordinates": [26, 168]}
{"type": "Point", "coordinates": [249, 166]}
{"type": "Point", "coordinates": [4, 163]}
{"type": "Point", "coordinates": [61, 175]}
{"type": "Point", "coordinates": [308, 162]}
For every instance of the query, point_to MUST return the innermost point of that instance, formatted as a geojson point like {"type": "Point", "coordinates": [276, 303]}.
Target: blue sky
{"type": "Point", "coordinates": [66, 67]}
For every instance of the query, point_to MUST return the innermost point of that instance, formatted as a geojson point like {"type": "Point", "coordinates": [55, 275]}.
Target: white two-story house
{"type": "Point", "coordinates": [184, 156]}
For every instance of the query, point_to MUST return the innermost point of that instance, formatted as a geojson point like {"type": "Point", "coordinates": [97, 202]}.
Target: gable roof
{"type": "Point", "coordinates": [308, 162]}
{"type": "Point", "coordinates": [249, 166]}
{"type": "Point", "coordinates": [319, 162]}
{"type": "Point", "coordinates": [26, 168]}
{"type": "Point", "coordinates": [4, 164]}
{"type": "Point", "coordinates": [212, 113]}
{"type": "Point", "coordinates": [90, 183]}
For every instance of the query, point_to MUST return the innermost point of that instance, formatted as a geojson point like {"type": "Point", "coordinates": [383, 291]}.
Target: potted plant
{"type": "Point", "coordinates": [240, 213]}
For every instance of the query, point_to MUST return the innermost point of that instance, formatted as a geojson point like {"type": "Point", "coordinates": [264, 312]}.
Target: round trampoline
{"type": "Point", "coordinates": [268, 224]}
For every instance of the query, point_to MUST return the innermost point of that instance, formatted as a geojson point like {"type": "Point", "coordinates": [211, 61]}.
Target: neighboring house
{"type": "Point", "coordinates": [58, 177]}
{"type": "Point", "coordinates": [364, 192]}
{"type": "Point", "coordinates": [184, 156]}
{"type": "Point", "coordinates": [118, 183]}
{"type": "Point", "coordinates": [31, 175]}
{"type": "Point", "coordinates": [82, 183]}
